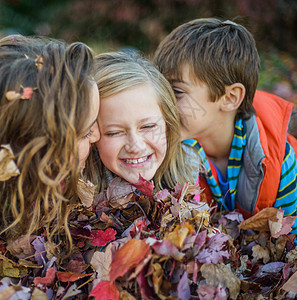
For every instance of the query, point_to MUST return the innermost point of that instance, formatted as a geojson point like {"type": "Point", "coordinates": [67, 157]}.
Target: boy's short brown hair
{"type": "Point", "coordinates": [219, 53]}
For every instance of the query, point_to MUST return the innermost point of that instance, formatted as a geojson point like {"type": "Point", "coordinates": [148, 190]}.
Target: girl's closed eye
{"type": "Point", "coordinates": [149, 126]}
{"type": "Point", "coordinates": [112, 133]}
{"type": "Point", "coordinates": [89, 134]}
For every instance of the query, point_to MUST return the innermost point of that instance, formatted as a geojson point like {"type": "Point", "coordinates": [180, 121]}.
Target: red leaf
{"type": "Point", "coordinates": [48, 279]}
{"type": "Point", "coordinates": [70, 276]}
{"type": "Point", "coordinates": [144, 186]}
{"type": "Point", "coordinates": [105, 290]}
{"type": "Point", "coordinates": [127, 257]}
{"type": "Point", "coordinates": [101, 237]}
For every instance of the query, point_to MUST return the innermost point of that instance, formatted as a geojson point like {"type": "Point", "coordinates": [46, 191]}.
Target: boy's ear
{"type": "Point", "coordinates": [233, 97]}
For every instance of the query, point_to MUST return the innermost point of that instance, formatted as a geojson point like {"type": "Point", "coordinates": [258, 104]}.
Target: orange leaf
{"type": "Point", "coordinates": [127, 257]}
{"type": "Point", "coordinates": [105, 290]}
{"type": "Point", "coordinates": [71, 276]}
{"type": "Point", "coordinates": [49, 278]}
{"type": "Point", "coordinates": [259, 222]}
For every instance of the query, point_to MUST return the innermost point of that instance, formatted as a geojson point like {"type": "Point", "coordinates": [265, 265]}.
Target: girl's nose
{"type": "Point", "coordinates": [135, 143]}
{"type": "Point", "coordinates": [95, 133]}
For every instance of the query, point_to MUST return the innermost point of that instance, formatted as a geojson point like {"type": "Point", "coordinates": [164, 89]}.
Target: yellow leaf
{"type": "Point", "coordinates": [8, 168]}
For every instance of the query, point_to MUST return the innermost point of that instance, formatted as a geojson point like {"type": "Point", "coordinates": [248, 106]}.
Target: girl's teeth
{"type": "Point", "coordinates": [136, 161]}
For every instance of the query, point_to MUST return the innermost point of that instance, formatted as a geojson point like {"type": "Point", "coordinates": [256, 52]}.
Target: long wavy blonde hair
{"type": "Point", "coordinates": [42, 131]}
{"type": "Point", "coordinates": [118, 71]}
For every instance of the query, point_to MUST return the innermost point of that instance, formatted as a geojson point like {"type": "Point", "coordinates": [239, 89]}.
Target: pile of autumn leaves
{"type": "Point", "coordinates": [133, 244]}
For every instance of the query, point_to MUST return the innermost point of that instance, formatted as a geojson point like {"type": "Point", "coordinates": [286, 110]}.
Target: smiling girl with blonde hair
{"type": "Point", "coordinates": [139, 123]}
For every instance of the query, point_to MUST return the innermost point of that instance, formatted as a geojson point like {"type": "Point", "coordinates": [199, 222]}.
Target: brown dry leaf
{"type": "Point", "coordinates": [28, 264]}
{"type": "Point", "coordinates": [167, 218]}
{"type": "Point", "coordinates": [201, 217]}
{"type": "Point", "coordinates": [21, 247]}
{"type": "Point", "coordinates": [118, 188]}
{"type": "Point", "coordinates": [291, 256]}
{"type": "Point", "coordinates": [260, 252]}
{"type": "Point", "coordinates": [291, 284]}
{"type": "Point", "coordinates": [280, 246]}
{"type": "Point", "coordinates": [221, 274]}
{"type": "Point", "coordinates": [178, 236]}
{"type": "Point", "coordinates": [276, 226]}
{"type": "Point", "coordinates": [101, 262]}
{"type": "Point", "coordinates": [7, 293]}
{"type": "Point", "coordinates": [184, 212]}
{"type": "Point", "coordinates": [259, 222]}
{"type": "Point", "coordinates": [86, 191]}
{"type": "Point", "coordinates": [121, 203]}
{"type": "Point", "coordinates": [124, 295]}
{"type": "Point", "coordinates": [39, 295]}
{"type": "Point", "coordinates": [8, 167]}
{"type": "Point", "coordinates": [161, 286]}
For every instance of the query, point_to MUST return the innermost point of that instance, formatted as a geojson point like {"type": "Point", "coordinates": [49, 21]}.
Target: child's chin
{"type": "Point", "coordinates": [135, 179]}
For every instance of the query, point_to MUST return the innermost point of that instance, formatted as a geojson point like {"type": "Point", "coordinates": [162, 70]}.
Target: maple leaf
{"type": "Point", "coordinates": [259, 221]}
{"type": "Point", "coordinates": [127, 257]}
{"type": "Point", "coordinates": [49, 278]}
{"type": "Point", "coordinates": [76, 266]}
{"type": "Point", "coordinates": [71, 276]}
{"type": "Point", "coordinates": [103, 237]}
{"type": "Point", "coordinates": [105, 290]}
{"type": "Point", "coordinates": [285, 226]}
{"type": "Point", "coordinates": [101, 263]}
{"type": "Point", "coordinates": [213, 252]}
{"type": "Point", "coordinates": [144, 186]}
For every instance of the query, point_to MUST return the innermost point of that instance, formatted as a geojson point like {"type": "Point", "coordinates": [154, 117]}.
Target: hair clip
{"type": "Point", "coordinates": [39, 62]}
{"type": "Point", "coordinates": [26, 94]}
{"type": "Point", "coordinates": [8, 167]}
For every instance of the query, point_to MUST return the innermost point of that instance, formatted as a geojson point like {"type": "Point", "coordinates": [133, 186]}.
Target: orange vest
{"type": "Point", "coordinates": [272, 117]}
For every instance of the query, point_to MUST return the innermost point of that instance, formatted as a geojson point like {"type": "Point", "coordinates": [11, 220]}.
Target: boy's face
{"type": "Point", "coordinates": [133, 133]}
{"type": "Point", "coordinates": [199, 115]}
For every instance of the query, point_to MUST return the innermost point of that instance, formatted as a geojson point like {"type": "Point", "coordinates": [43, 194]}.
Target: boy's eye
{"type": "Point", "coordinates": [177, 91]}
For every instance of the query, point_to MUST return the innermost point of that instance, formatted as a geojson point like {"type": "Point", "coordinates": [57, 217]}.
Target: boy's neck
{"type": "Point", "coordinates": [218, 145]}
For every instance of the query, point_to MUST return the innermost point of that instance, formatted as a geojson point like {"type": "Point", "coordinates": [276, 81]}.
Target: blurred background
{"type": "Point", "coordinates": [107, 25]}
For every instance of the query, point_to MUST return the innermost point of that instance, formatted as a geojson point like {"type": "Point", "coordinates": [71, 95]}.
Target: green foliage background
{"type": "Point", "coordinates": [111, 24]}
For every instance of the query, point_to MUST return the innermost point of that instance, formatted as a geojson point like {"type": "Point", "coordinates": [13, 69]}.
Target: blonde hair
{"type": "Point", "coordinates": [42, 131]}
{"type": "Point", "coordinates": [118, 71]}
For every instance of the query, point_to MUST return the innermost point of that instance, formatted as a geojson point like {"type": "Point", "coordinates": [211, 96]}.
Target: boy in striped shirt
{"type": "Point", "coordinates": [239, 133]}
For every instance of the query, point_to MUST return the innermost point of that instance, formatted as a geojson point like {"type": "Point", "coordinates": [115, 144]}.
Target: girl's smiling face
{"type": "Point", "coordinates": [133, 133]}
